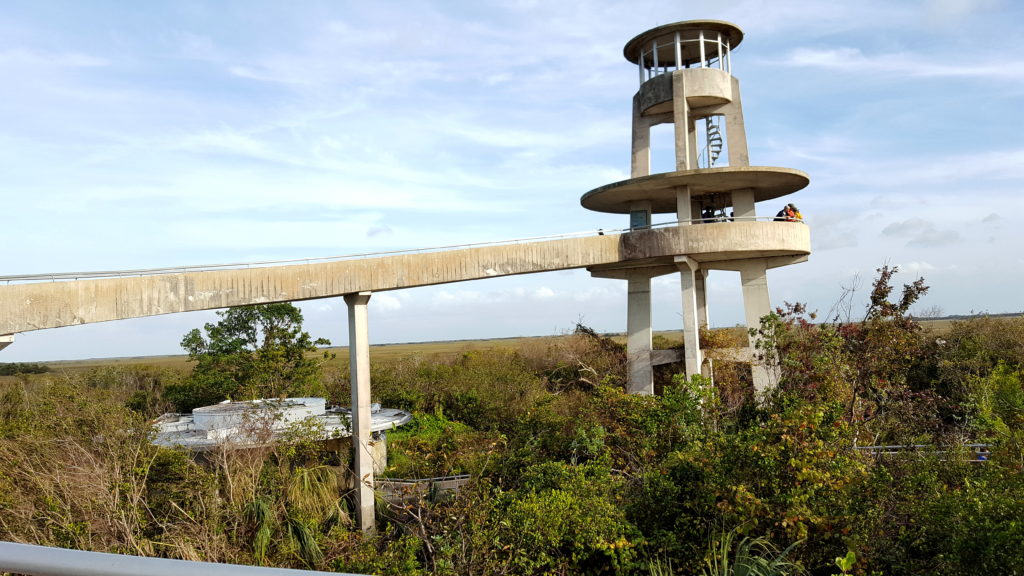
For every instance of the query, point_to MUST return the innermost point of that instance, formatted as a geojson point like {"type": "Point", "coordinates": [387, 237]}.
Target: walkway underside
{"type": "Point", "coordinates": [40, 305]}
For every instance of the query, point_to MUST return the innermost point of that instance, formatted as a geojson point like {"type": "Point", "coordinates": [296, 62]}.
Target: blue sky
{"type": "Point", "coordinates": [169, 133]}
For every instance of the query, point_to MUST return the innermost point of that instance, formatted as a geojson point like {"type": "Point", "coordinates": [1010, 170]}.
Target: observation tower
{"type": "Point", "coordinates": [685, 73]}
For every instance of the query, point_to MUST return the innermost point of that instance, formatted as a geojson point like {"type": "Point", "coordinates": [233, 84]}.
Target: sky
{"type": "Point", "coordinates": [162, 133]}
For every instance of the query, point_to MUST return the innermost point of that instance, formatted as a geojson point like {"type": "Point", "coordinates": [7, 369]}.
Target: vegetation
{"type": "Point", "coordinates": [252, 352]}
{"type": "Point", "coordinates": [569, 475]}
{"type": "Point", "coordinates": [14, 368]}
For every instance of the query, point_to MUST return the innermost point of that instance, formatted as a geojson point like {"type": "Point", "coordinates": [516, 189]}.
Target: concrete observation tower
{"type": "Point", "coordinates": [686, 80]}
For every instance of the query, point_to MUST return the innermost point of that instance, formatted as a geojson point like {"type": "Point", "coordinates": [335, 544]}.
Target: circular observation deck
{"type": "Point", "coordinates": [719, 242]}
{"type": "Point", "coordinates": [680, 45]}
{"type": "Point", "coordinates": [767, 182]}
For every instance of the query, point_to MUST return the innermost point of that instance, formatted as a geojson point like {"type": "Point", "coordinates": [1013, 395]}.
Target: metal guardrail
{"type": "Point", "coordinates": [86, 275]}
{"type": "Point", "coordinates": [978, 452]}
{"type": "Point", "coordinates": [46, 561]}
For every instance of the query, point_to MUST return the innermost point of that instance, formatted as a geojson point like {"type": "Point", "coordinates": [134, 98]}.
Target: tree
{"type": "Point", "coordinates": [252, 352]}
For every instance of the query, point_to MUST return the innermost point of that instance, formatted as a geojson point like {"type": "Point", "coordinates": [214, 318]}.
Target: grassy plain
{"type": "Point", "coordinates": [388, 352]}
{"type": "Point", "coordinates": [377, 352]}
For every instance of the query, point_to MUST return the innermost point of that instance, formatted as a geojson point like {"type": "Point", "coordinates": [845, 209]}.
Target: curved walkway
{"type": "Point", "coordinates": [38, 305]}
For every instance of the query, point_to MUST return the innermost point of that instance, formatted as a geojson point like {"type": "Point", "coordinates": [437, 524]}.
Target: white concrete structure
{"type": "Point", "coordinates": [686, 80]}
{"type": "Point", "coordinates": [258, 422]}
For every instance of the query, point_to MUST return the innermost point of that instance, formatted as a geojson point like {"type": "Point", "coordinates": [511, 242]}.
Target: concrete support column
{"type": "Point", "coordinates": [694, 146]}
{"type": "Point", "coordinates": [640, 214]}
{"type": "Point", "coordinates": [359, 369]}
{"type": "Point", "coordinates": [700, 281]}
{"type": "Point", "coordinates": [689, 270]}
{"type": "Point", "coordinates": [684, 205]}
{"type": "Point", "coordinates": [638, 334]}
{"type": "Point", "coordinates": [641, 153]}
{"type": "Point", "coordinates": [756, 304]}
{"type": "Point", "coordinates": [695, 206]}
{"type": "Point", "coordinates": [6, 340]}
{"type": "Point", "coordinates": [735, 132]}
{"type": "Point", "coordinates": [743, 203]}
{"type": "Point", "coordinates": [685, 137]}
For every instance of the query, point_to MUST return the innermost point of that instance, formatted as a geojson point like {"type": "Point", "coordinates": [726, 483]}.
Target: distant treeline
{"type": "Point", "coordinates": [12, 368]}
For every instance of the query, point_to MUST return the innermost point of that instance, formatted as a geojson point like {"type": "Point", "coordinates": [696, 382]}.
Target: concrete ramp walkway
{"type": "Point", "coordinates": [28, 306]}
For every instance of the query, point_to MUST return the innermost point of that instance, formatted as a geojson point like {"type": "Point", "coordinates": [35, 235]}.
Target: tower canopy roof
{"type": "Point", "coordinates": [689, 33]}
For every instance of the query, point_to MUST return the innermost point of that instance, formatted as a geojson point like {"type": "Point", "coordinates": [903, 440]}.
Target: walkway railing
{"type": "Point", "coordinates": [973, 452]}
{"type": "Point", "coordinates": [56, 276]}
{"type": "Point", "coordinates": [45, 561]}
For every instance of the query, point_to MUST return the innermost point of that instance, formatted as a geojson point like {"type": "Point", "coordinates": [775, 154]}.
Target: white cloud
{"type": "Point", "coordinates": [955, 11]}
{"type": "Point", "coordinates": [847, 59]}
{"type": "Point", "coordinates": [379, 230]}
{"type": "Point", "coordinates": [917, 268]}
{"type": "Point", "coordinates": [920, 232]}
{"type": "Point", "coordinates": [384, 302]}
{"type": "Point", "coordinates": [543, 293]}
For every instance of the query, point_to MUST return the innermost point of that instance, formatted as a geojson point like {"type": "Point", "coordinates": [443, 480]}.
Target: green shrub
{"type": "Point", "coordinates": [14, 368]}
{"type": "Point", "coordinates": [565, 520]}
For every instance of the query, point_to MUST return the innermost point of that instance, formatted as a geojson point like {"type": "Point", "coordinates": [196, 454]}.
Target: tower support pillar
{"type": "Point", "coordinates": [692, 294]}
{"type": "Point", "coordinates": [638, 334]}
{"type": "Point", "coordinates": [756, 305]}
{"type": "Point", "coordinates": [735, 131]}
{"type": "Point", "coordinates": [640, 163]}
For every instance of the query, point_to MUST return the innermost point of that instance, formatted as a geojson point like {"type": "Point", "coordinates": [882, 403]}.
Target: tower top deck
{"type": "Point", "coordinates": [690, 33]}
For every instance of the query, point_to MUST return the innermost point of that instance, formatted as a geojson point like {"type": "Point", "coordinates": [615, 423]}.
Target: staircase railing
{"type": "Point", "coordinates": [713, 149]}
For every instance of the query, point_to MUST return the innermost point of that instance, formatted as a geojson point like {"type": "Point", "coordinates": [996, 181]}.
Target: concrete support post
{"type": "Point", "coordinates": [688, 272]}
{"type": "Point", "coordinates": [756, 304]}
{"type": "Point", "coordinates": [743, 203]}
{"type": "Point", "coordinates": [684, 136]}
{"type": "Point", "coordinates": [6, 340]}
{"type": "Point", "coordinates": [734, 129]}
{"type": "Point", "coordinates": [702, 297]}
{"type": "Point", "coordinates": [695, 147]}
{"type": "Point", "coordinates": [640, 214]}
{"type": "Point", "coordinates": [359, 369]}
{"type": "Point", "coordinates": [641, 153]}
{"type": "Point", "coordinates": [638, 334]}
{"type": "Point", "coordinates": [696, 206]}
{"type": "Point", "coordinates": [700, 283]}
{"type": "Point", "coordinates": [684, 205]}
